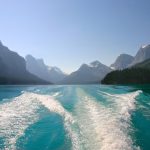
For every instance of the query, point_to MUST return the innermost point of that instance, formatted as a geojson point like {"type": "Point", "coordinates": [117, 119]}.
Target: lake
{"type": "Point", "coordinates": [75, 117]}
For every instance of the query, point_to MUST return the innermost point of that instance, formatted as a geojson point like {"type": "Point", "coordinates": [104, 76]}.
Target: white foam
{"type": "Point", "coordinates": [103, 128]}
{"type": "Point", "coordinates": [55, 106]}
{"type": "Point", "coordinates": [15, 117]}
{"type": "Point", "coordinates": [124, 102]}
{"type": "Point", "coordinates": [105, 93]}
{"type": "Point", "coordinates": [56, 94]}
{"type": "Point", "coordinates": [18, 114]}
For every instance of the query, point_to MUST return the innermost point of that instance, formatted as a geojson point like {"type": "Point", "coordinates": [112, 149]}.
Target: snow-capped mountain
{"type": "Point", "coordinates": [87, 73]}
{"type": "Point", "coordinates": [40, 69]}
{"type": "Point", "coordinates": [142, 55]}
{"type": "Point", "coordinates": [122, 62]}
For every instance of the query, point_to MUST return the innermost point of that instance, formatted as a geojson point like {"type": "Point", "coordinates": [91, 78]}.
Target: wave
{"type": "Point", "coordinates": [99, 127]}
{"type": "Point", "coordinates": [124, 102]}
{"type": "Point", "coordinates": [19, 113]}
{"type": "Point", "coordinates": [55, 106]}
{"type": "Point", "coordinates": [15, 116]}
{"type": "Point", "coordinates": [106, 128]}
{"type": "Point", "coordinates": [56, 94]}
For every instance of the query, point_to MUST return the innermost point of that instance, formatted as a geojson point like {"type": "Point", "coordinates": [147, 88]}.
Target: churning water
{"type": "Point", "coordinates": [75, 117]}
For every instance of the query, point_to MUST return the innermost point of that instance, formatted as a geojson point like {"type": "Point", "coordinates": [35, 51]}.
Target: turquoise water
{"type": "Point", "coordinates": [75, 117]}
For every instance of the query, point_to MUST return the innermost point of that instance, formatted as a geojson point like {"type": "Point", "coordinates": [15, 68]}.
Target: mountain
{"type": "Point", "coordinates": [122, 62]}
{"type": "Point", "coordinates": [137, 74]}
{"type": "Point", "coordinates": [56, 74]}
{"type": "Point", "coordinates": [40, 69]}
{"type": "Point", "coordinates": [37, 67]}
{"type": "Point", "coordinates": [145, 64]}
{"type": "Point", "coordinates": [142, 54]}
{"type": "Point", "coordinates": [87, 73]}
{"type": "Point", "coordinates": [13, 69]}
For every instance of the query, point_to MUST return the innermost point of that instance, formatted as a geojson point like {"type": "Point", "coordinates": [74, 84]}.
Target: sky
{"type": "Point", "coordinates": [68, 33]}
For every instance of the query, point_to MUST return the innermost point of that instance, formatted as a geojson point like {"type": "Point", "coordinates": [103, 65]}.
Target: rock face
{"type": "Point", "coordinates": [11, 63]}
{"type": "Point", "coordinates": [142, 54]}
{"type": "Point", "coordinates": [37, 67]}
{"type": "Point", "coordinates": [13, 69]}
{"type": "Point", "coordinates": [87, 73]}
{"type": "Point", "coordinates": [40, 69]}
{"type": "Point", "coordinates": [56, 74]}
{"type": "Point", "coordinates": [122, 62]}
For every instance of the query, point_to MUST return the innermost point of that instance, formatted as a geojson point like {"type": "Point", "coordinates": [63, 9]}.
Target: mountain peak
{"type": "Point", "coordinates": [13, 68]}
{"type": "Point", "coordinates": [142, 54]}
{"type": "Point", "coordinates": [124, 54]}
{"type": "Point", "coordinates": [29, 56]}
{"type": "Point", "coordinates": [95, 63]}
{"type": "Point", "coordinates": [56, 69]}
{"type": "Point", "coordinates": [87, 73]}
{"type": "Point", "coordinates": [83, 66]}
{"type": "Point", "coordinates": [122, 62]}
{"type": "Point", "coordinates": [145, 46]}
{"type": "Point", "coordinates": [40, 61]}
{"type": "Point", "coordinates": [40, 69]}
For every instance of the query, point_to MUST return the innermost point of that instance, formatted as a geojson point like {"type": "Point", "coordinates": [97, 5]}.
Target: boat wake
{"type": "Point", "coordinates": [19, 113]}
{"type": "Point", "coordinates": [106, 128]}
{"type": "Point", "coordinates": [91, 126]}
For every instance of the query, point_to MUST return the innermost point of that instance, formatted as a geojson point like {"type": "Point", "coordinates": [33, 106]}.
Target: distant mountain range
{"type": "Point", "coordinates": [87, 74]}
{"type": "Point", "coordinates": [137, 74]}
{"type": "Point", "coordinates": [125, 61]}
{"type": "Point", "coordinates": [40, 69]}
{"type": "Point", "coordinates": [131, 70]}
{"type": "Point", "coordinates": [13, 69]}
{"type": "Point", "coordinates": [142, 55]}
